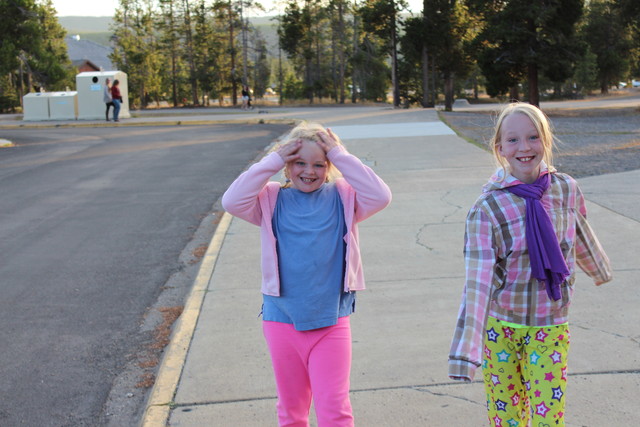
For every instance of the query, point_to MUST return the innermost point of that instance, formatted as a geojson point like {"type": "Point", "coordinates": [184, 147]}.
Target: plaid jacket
{"type": "Point", "coordinates": [498, 275]}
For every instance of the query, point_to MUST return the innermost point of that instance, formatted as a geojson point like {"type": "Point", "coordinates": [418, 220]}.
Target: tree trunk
{"type": "Point", "coordinates": [434, 90]}
{"type": "Point", "coordinates": [280, 76]}
{"type": "Point", "coordinates": [232, 52]}
{"type": "Point", "coordinates": [534, 96]}
{"type": "Point", "coordinates": [514, 94]}
{"type": "Point", "coordinates": [174, 79]}
{"type": "Point", "coordinates": [475, 88]}
{"type": "Point", "coordinates": [334, 66]}
{"type": "Point", "coordinates": [307, 78]}
{"type": "Point", "coordinates": [354, 97]}
{"type": "Point", "coordinates": [425, 63]}
{"type": "Point", "coordinates": [190, 54]}
{"type": "Point", "coordinates": [245, 77]}
{"type": "Point", "coordinates": [317, 67]}
{"type": "Point", "coordinates": [341, 55]}
{"type": "Point", "coordinates": [448, 92]}
{"type": "Point", "coordinates": [394, 63]}
{"type": "Point", "coordinates": [28, 85]}
{"type": "Point", "coordinates": [141, 94]}
{"type": "Point", "coordinates": [20, 85]}
{"type": "Point", "coordinates": [425, 79]}
{"type": "Point", "coordinates": [174, 71]}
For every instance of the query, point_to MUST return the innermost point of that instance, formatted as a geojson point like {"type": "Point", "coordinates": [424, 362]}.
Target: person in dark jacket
{"type": "Point", "coordinates": [117, 99]}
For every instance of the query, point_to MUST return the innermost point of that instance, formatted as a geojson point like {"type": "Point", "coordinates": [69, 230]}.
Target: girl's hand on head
{"type": "Point", "coordinates": [289, 151]}
{"type": "Point", "coordinates": [328, 140]}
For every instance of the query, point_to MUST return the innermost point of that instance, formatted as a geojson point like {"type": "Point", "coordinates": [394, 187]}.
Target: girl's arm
{"type": "Point", "coordinates": [465, 356]}
{"type": "Point", "coordinates": [590, 255]}
{"type": "Point", "coordinates": [372, 194]}
{"type": "Point", "coordinates": [241, 198]}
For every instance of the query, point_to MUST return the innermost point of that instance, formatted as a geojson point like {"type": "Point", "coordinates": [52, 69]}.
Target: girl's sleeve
{"type": "Point", "coordinates": [465, 355]}
{"type": "Point", "coordinates": [241, 198]}
{"type": "Point", "coordinates": [371, 193]}
{"type": "Point", "coordinates": [590, 255]}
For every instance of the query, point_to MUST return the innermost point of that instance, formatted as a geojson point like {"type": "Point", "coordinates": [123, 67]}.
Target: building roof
{"type": "Point", "coordinates": [80, 63]}
{"type": "Point", "coordinates": [80, 50]}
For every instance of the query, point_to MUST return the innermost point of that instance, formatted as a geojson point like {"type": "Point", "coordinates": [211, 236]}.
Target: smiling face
{"type": "Point", "coordinates": [521, 146]}
{"type": "Point", "coordinates": [308, 172]}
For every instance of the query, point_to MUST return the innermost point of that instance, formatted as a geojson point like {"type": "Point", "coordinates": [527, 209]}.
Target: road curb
{"type": "Point", "coordinates": [151, 123]}
{"type": "Point", "coordinates": [160, 400]}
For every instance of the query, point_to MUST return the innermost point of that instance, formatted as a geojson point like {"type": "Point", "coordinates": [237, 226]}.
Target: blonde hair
{"type": "Point", "coordinates": [308, 131]}
{"type": "Point", "coordinates": [539, 120]}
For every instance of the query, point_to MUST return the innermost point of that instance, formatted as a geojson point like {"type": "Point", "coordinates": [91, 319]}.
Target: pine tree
{"type": "Point", "coordinates": [380, 17]}
{"type": "Point", "coordinates": [135, 49]}
{"type": "Point", "coordinates": [33, 54]}
{"type": "Point", "coordinates": [610, 41]}
{"type": "Point", "coordinates": [523, 38]}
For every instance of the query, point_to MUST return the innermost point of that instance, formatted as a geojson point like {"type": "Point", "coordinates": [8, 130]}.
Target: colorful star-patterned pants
{"type": "Point", "coordinates": [525, 373]}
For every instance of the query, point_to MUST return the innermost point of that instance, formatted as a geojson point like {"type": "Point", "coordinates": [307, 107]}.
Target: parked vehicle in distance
{"type": "Point", "coordinates": [635, 83]}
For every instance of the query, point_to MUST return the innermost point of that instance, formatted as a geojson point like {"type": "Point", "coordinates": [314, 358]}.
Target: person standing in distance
{"type": "Point", "coordinates": [117, 99]}
{"type": "Point", "coordinates": [108, 100]}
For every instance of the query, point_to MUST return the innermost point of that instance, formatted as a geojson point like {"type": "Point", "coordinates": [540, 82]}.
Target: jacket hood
{"type": "Point", "coordinates": [499, 181]}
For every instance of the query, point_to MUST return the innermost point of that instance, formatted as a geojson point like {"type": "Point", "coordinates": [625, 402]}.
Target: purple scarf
{"type": "Point", "coordinates": [547, 262]}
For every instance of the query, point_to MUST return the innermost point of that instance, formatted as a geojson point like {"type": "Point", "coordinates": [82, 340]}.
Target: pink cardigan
{"type": "Point", "coordinates": [252, 197]}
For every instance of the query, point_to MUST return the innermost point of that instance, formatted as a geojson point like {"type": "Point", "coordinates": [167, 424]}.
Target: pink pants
{"type": "Point", "coordinates": [306, 363]}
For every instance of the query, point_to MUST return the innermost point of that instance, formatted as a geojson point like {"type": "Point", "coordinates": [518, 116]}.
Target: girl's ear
{"type": "Point", "coordinates": [500, 150]}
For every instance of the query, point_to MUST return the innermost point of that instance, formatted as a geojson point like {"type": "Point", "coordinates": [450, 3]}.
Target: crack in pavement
{"type": "Point", "coordinates": [613, 334]}
{"type": "Point", "coordinates": [443, 221]}
{"type": "Point", "coordinates": [418, 242]}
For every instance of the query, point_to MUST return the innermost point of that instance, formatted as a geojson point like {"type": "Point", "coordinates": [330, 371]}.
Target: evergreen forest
{"type": "Point", "coordinates": [201, 52]}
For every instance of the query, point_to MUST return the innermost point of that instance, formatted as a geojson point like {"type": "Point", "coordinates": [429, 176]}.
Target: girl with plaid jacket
{"type": "Point", "coordinates": [524, 235]}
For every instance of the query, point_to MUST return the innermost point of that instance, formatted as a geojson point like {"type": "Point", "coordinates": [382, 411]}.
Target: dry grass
{"type": "Point", "coordinates": [149, 363]}
{"type": "Point", "coordinates": [198, 253]}
{"type": "Point", "coordinates": [146, 380]}
{"type": "Point", "coordinates": [217, 217]}
{"type": "Point", "coordinates": [163, 330]}
{"type": "Point", "coordinates": [161, 335]}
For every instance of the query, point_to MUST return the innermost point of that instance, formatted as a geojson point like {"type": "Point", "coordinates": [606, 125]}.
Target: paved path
{"type": "Point", "coordinates": [217, 371]}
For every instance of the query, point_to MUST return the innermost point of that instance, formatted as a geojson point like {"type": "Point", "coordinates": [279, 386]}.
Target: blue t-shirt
{"type": "Point", "coordinates": [309, 230]}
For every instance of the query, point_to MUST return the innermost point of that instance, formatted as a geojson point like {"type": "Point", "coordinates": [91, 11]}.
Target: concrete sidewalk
{"type": "Point", "coordinates": [217, 372]}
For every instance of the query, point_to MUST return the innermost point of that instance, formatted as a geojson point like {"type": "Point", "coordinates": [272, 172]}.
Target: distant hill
{"type": "Point", "coordinates": [85, 24]}
{"type": "Point", "coordinates": [91, 28]}
{"type": "Point", "coordinates": [97, 29]}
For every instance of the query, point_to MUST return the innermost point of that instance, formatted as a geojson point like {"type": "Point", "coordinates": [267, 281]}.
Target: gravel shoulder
{"type": "Point", "coordinates": [590, 141]}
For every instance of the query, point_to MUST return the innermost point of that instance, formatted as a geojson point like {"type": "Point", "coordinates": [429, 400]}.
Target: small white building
{"type": "Point", "coordinates": [63, 105]}
{"type": "Point", "coordinates": [35, 106]}
{"type": "Point", "coordinates": [90, 88]}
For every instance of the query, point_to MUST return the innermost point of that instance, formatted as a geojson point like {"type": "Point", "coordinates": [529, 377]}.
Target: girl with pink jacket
{"type": "Point", "coordinates": [311, 265]}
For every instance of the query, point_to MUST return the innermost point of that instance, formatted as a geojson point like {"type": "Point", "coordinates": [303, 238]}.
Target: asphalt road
{"type": "Point", "coordinates": [93, 222]}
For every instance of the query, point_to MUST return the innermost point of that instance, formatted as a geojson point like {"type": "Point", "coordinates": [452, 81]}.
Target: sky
{"type": "Point", "coordinates": [107, 7]}
{"type": "Point", "coordinates": [85, 8]}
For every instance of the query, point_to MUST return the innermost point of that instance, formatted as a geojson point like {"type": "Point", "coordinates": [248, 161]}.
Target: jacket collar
{"type": "Point", "coordinates": [502, 179]}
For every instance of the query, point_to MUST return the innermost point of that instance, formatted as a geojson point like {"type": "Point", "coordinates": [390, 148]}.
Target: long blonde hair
{"type": "Point", "coordinates": [308, 131]}
{"type": "Point", "coordinates": [539, 120]}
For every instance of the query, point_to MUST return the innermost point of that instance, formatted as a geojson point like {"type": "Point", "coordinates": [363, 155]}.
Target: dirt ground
{"type": "Point", "coordinates": [590, 141]}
